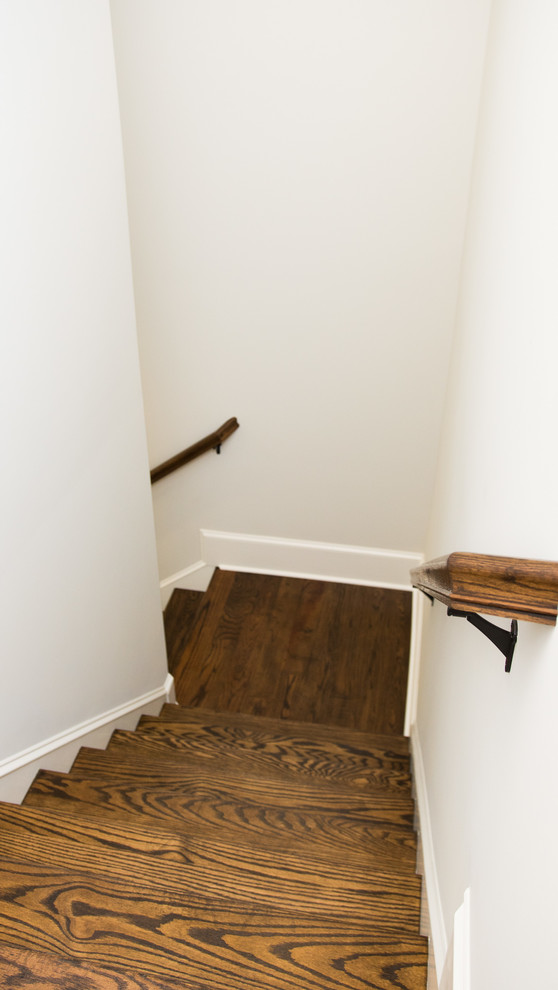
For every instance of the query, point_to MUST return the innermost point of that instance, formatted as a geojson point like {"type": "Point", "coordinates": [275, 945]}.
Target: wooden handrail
{"type": "Point", "coordinates": [510, 586]}
{"type": "Point", "coordinates": [211, 442]}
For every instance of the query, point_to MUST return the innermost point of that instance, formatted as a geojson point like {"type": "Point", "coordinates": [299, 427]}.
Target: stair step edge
{"type": "Point", "coordinates": [312, 767]}
{"type": "Point", "coordinates": [151, 764]}
{"type": "Point", "coordinates": [21, 967]}
{"type": "Point", "coordinates": [309, 730]}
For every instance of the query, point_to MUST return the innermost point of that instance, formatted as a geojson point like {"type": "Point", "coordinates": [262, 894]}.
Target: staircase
{"type": "Point", "coordinates": [215, 852]}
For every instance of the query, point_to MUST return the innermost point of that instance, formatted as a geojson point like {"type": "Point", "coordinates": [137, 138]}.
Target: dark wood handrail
{"type": "Point", "coordinates": [507, 586]}
{"type": "Point", "coordinates": [211, 442]}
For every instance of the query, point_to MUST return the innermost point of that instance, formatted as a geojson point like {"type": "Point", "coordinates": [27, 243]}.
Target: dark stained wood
{"type": "Point", "coordinates": [369, 897]}
{"type": "Point", "coordinates": [291, 648]}
{"type": "Point", "coordinates": [24, 969]}
{"type": "Point", "coordinates": [196, 776]}
{"type": "Point", "coordinates": [509, 586]}
{"type": "Point", "coordinates": [37, 833]}
{"type": "Point", "coordinates": [140, 836]}
{"type": "Point", "coordinates": [179, 618]}
{"type": "Point", "coordinates": [155, 769]}
{"type": "Point", "coordinates": [185, 842]}
{"type": "Point", "coordinates": [288, 735]}
{"type": "Point", "coordinates": [278, 752]}
{"type": "Point", "coordinates": [206, 943]}
{"type": "Point", "coordinates": [211, 442]}
{"type": "Point", "coordinates": [336, 828]}
{"type": "Point", "coordinates": [226, 851]}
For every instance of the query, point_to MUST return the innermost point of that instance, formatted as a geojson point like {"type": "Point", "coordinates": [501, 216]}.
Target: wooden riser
{"type": "Point", "coordinates": [205, 943]}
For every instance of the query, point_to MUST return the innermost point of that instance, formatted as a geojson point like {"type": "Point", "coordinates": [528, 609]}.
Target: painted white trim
{"type": "Point", "coordinates": [438, 933]}
{"type": "Point", "coordinates": [170, 693]}
{"type": "Point", "coordinates": [59, 751]}
{"type": "Point", "coordinates": [302, 558]}
{"type": "Point", "coordinates": [196, 577]}
{"type": "Point", "coordinates": [414, 661]}
{"type": "Point", "coordinates": [461, 945]}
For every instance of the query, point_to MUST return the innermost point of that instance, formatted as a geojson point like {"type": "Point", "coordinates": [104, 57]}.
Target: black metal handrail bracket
{"type": "Point", "coordinates": [504, 640]}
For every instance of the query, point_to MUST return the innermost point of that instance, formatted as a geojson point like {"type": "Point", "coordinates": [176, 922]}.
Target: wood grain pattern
{"type": "Point", "coordinates": [25, 969]}
{"type": "Point", "coordinates": [154, 773]}
{"type": "Point", "coordinates": [388, 899]}
{"type": "Point", "coordinates": [311, 734]}
{"type": "Point", "coordinates": [205, 943]}
{"type": "Point", "coordinates": [384, 850]}
{"type": "Point", "coordinates": [179, 620]}
{"type": "Point", "coordinates": [338, 832]}
{"type": "Point", "coordinates": [209, 850]}
{"type": "Point", "coordinates": [274, 754]}
{"type": "Point", "coordinates": [115, 833]}
{"type": "Point", "coordinates": [167, 840]}
{"type": "Point", "coordinates": [296, 649]}
{"type": "Point", "coordinates": [509, 586]}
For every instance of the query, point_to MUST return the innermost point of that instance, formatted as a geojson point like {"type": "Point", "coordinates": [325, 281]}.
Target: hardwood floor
{"type": "Point", "coordinates": [226, 850]}
{"type": "Point", "coordinates": [291, 648]}
{"type": "Point", "coordinates": [216, 852]}
{"type": "Point", "coordinates": [180, 616]}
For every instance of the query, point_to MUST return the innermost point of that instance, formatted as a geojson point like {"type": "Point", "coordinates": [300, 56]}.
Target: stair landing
{"type": "Point", "coordinates": [292, 648]}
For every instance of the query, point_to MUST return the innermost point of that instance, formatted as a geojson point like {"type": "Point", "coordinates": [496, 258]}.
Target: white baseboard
{"type": "Point", "coordinates": [59, 752]}
{"type": "Point", "coordinates": [193, 578]}
{"type": "Point", "coordinates": [434, 920]}
{"type": "Point", "coordinates": [457, 969]}
{"type": "Point", "coordinates": [462, 945]}
{"type": "Point", "coordinates": [414, 661]}
{"type": "Point", "coordinates": [301, 558]}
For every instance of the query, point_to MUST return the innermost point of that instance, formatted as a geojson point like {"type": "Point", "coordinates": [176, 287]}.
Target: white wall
{"type": "Point", "coordinates": [488, 739]}
{"type": "Point", "coordinates": [81, 630]}
{"type": "Point", "coordinates": [297, 179]}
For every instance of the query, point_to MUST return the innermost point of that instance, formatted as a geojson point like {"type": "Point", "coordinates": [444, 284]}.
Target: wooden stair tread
{"type": "Point", "coordinates": [164, 744]}
{"type": "Point", "coordinates": [204, 943]}
{"type": "Point", "coordinates": [394, 746]}
{"type": "Point", "coordinates": [378, 897]}
{"type": "Point", "coordinates": [338, 835]}
{"type": "Point", "coordinates": [113, 831]}
{"type": "Point", "coordinates": [268, 750]}
{"type": "Point", "coordinates": [362, 846]}
{"type": "Point", "coordinates": [25, 969]}
{"type": "Point", "coordinates": [386, 852]}
{"type": "Point", "coordinates": [162, 769]}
